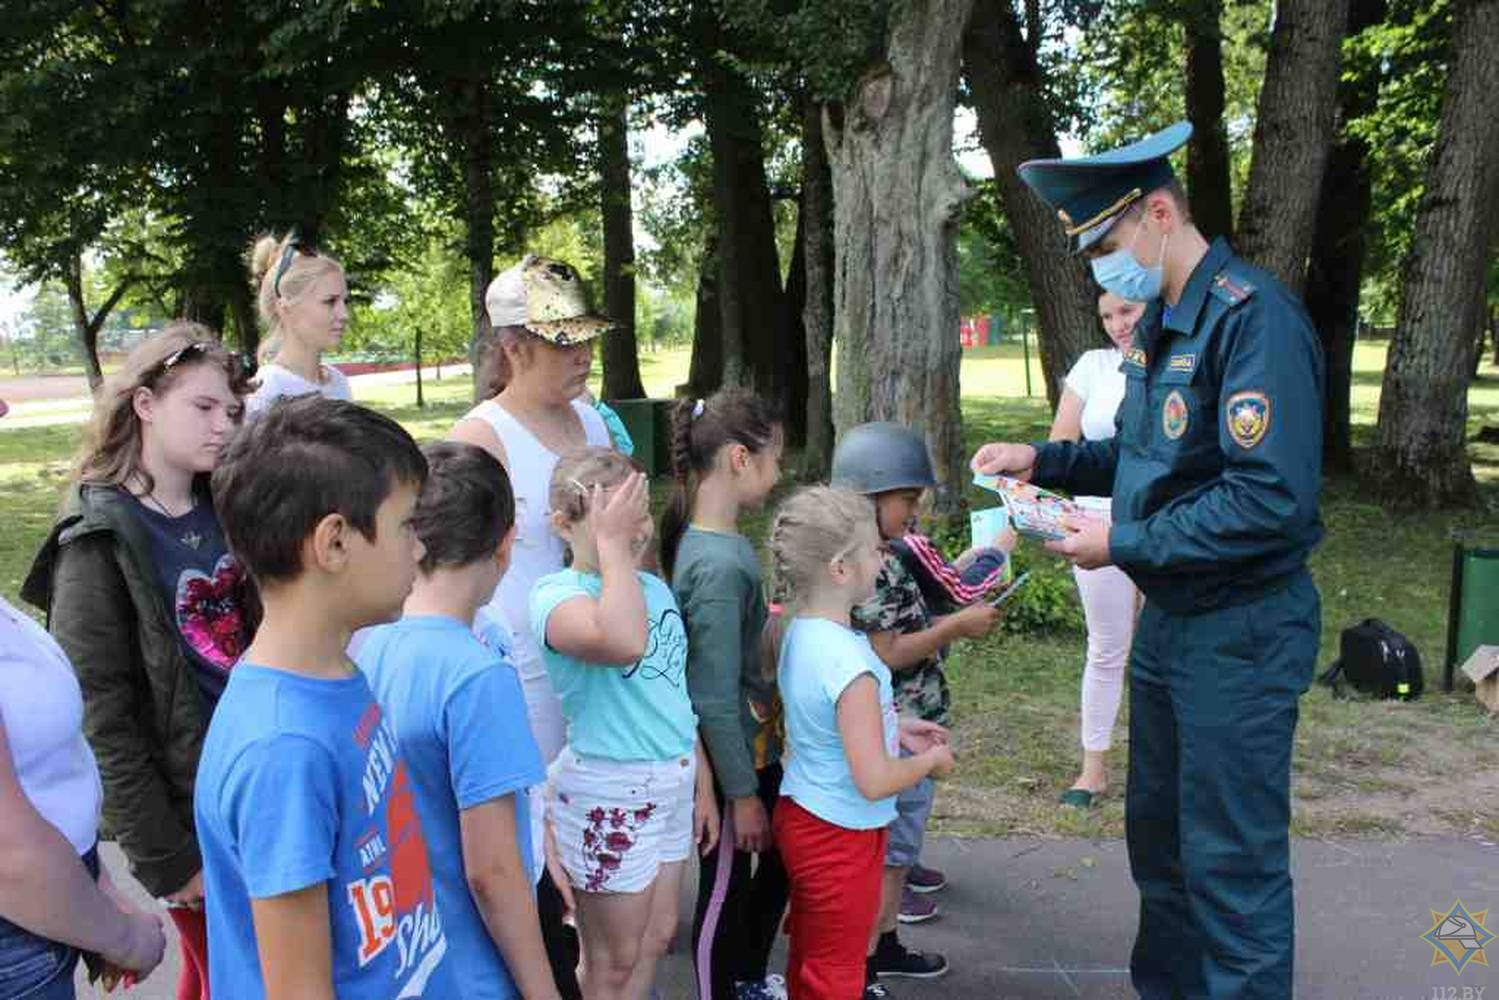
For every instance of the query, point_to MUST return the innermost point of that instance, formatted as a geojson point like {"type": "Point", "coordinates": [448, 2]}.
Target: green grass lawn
{"type": "Point", "coordinates": [1362, 768]}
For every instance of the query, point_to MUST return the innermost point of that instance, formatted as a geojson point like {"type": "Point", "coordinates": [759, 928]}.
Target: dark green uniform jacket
{"type": "Point", "coordinates": [1216, 468]}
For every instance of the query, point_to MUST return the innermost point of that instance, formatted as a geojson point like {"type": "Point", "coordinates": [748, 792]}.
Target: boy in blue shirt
{"type": "Point", "coordinates": [460, 716]}
{"type": "Point", "coordinates": [315, 866]}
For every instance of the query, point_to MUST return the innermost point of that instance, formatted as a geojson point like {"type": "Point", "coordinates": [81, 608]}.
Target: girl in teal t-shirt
{"type": "Point", "coordinates": [631, 793]}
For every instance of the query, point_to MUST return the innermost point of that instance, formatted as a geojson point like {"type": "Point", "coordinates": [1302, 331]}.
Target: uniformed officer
{"type": "Point", "coordinates": [1215, 473]}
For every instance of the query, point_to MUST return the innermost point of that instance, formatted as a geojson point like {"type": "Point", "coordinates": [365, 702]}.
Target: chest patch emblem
{"type": "Point", "coordinates": [1174, 415]}
{"type": "Point", "coordinates": [1248, 418]}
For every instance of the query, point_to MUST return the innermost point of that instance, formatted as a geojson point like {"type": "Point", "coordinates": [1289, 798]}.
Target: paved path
{"type": "Point", "coordinates": [1054, 919]}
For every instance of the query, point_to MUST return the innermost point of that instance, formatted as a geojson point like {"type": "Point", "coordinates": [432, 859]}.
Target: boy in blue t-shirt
{"type": "Point", "coordinates": [460, 715]}
{"type": "Point", "coordinates": [316, 872]}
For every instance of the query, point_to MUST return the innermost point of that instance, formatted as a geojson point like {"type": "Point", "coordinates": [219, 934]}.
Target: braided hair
{"type": "Point", "coordinates": [700, 429]}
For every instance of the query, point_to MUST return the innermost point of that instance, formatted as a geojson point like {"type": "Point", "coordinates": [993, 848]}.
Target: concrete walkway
{"type": "Point", "coordinates": [1055, 919]}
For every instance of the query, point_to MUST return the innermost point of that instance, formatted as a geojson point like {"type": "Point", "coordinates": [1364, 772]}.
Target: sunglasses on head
{"type": "Point", "coordinates": [190, 352]}
{"type": "Point", "coordinates": [293, 247]}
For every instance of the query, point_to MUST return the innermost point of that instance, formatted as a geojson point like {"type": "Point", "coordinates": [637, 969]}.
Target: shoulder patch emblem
{"type": "Point", "coordinates": [1248, 418]}
{"type": "Point", "coordinates": [1231, 290]}
{"type": "Point", "coordinates": [1174, 415]}
{"type": "Point", "coordinates": [1136, 356]}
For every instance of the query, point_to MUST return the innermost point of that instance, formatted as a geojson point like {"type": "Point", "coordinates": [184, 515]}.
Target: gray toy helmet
{"type": "Point", "coordinates": [880, 457]}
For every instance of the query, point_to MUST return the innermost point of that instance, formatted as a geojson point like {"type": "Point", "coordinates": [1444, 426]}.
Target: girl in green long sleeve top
{"type": "Point", "coordinates": [726, 451]}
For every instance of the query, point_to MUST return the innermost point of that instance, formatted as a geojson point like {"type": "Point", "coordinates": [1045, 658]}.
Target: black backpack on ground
{"type": "Point", "coordinates": [1377, 660]}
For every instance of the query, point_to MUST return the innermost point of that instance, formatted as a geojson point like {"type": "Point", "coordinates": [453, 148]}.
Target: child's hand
{"type": "Point", "coordinates": [557, 872]}
{"type": "Point", "coordinates": [975, 621]}
{"type": "Point", "coordinates": [942, 760]}
{"type": "Point", "coordinates": [705, 822]}
{"type": "Point", "coordinates": [751, 825]}
{"type": "Point", "coordinates": [617, 521]}
{"type": "Point", "coordinates": [919, 735]}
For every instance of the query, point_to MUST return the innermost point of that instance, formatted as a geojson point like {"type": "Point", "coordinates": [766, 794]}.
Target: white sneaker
{"type": "Point", "coordinates": [776, 986]}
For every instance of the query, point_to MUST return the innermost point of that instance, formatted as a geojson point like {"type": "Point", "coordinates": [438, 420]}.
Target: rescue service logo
{"type": "Point", "coordinates": [1248, 418]}
{"type": "Point", "coordinates": [1174, 415]}
{"type": "Point", "coordinates": [1458, 937]}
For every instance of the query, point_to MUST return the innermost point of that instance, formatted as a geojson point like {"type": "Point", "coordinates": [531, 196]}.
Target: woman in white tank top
{"type": "Point", "coordinates": [1090, 399]}
{"type": "Point", "coordinates": [535, 367]}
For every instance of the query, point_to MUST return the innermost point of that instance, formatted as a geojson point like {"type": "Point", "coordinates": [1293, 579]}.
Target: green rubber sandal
{"type": "Point", "coordinates": [1079, 798]}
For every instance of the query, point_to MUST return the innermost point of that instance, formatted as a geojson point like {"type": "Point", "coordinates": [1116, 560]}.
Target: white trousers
{"type": "Point", "coordinates": [1109, 600]}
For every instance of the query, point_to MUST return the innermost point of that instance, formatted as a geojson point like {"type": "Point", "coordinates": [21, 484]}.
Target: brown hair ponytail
{"type": "Point", "coordinates": [699, 429]}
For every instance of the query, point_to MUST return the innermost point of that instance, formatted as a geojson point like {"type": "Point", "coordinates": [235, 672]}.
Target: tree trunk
{"type": "Point", "coordinates": [469, 130]}
{"type": "Point", "coordinates": [1420, 457]}
{"type": "Point", "coordinates": [1292, 135]}
{"type": "Point", "coordinates": [1494, 333]}
{"type": "Point", "coordinates": [620, 349]}
{"type": "Point", "coordinates": [1015, 125]}
{"type": "Point", "coordinates": [1208, 183]}
{"type": "Point", "coordinates": [817, 310]}
{"type": "Point", "coordinates": [897, 193]}
{"type": "Point", "coordinates": [421, 401]}
{"type": "Point", "coordinates": [85, 326]}
{"type": "Point", "coordinates": [705, 373]}
{"type": "Point", "coordinates": [750, 298]}
{"type": "Point", "coordinates": [1338, 246]}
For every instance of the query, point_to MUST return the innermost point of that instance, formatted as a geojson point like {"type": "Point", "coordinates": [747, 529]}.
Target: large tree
{"type": "Point", "coordinates": [897, 193]}
{"type": "Point", "coordinates": [620, 349]}
{"type": "Point", "coordinates": [1208, 178]}
{"type": "Point", "coordinates": [1292, 135]}
{"type": "Point", "coordinates": [1340, 241]}
{"type": "Point", "coordinates": [1420, 457]}
{"type": "Point", "coordinates": [1016, 123]}
{"type": "Point", "coordinates": [817, 311]}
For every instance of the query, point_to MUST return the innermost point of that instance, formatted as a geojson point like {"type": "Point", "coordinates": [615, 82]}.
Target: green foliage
{"type": "Point", "coordinates": [1408, 54]}
{"type": "Point", "coordinates": [991, 275]}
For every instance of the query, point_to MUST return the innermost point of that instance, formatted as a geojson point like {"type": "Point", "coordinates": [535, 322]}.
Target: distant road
{"type": "Point", "coordinates": [38, 400]}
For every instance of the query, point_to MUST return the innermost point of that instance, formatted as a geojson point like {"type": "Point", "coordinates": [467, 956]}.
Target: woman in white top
{"type": "Point", "coordinates": [1090, 400]}
{"type": "Point", "coordinates": [534, 369]}
{"type": "Point", "coordinates": [55, 902]}
{"type": "Point", "coordinates": [304, 304]}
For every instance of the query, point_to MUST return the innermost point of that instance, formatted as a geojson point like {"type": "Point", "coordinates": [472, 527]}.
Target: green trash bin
{"type": "Point", "coordinates": [1473, 615]}
{"type": "Point", "coordinates": [649, 424]}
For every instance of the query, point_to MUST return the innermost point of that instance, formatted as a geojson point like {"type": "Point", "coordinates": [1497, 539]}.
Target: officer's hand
{"type": "Point", "coordinates": [1087, 545]}
{"type": "Point", "coordinates": [1005, 460]}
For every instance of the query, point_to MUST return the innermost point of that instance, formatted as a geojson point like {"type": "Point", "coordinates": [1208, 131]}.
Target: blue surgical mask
{"type": "Point", "coordinates": [1120, 273]}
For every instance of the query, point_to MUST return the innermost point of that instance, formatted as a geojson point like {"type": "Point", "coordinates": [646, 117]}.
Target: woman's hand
{"type": "Point", "coordinates": [141, 948]}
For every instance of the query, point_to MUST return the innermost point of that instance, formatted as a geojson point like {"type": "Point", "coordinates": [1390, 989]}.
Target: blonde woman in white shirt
{"type": "Point", "coordinates": [303, 302]}
{"type": "Point", "coordinates": [1091, 396]}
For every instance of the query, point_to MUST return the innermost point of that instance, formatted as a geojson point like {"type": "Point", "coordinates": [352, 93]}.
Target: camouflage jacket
{"type": "Point", "coordinates": [897, 606]}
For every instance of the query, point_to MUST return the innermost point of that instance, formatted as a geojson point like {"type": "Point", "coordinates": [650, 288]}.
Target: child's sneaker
{"type": "Point", "coordinates": [892, 958]}
{"type": "Point", "coordinates": [916, 909]}
{"type": "Point", "coordinates": [923, 880]}
{"type": "Point", "coordinates": [877, 991]}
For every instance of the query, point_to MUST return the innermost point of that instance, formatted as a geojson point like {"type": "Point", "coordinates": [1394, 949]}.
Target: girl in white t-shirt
{"type": "Point", "coordinates": [304, 304]}
{"type": "Point", "coordinates": [1090, 399]}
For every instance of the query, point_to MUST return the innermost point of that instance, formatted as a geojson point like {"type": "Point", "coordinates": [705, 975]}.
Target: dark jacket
{"type": "Point", "coordinates": [144, 713]}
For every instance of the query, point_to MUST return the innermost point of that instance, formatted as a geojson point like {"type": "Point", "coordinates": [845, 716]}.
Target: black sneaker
{"type": "Point", "coordinates": [896, 960]}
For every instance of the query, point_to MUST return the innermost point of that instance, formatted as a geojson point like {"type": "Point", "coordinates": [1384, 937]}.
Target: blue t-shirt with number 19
{"type": "Point", "coordinates": [460, 715]}
{"type": "Point", "coordinates": [302, 785]}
